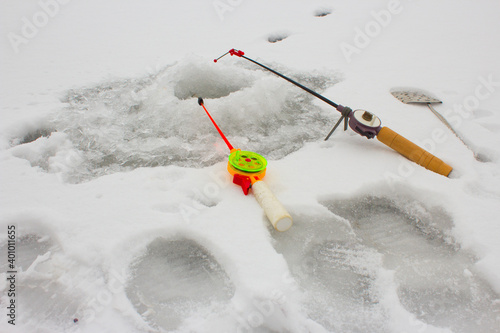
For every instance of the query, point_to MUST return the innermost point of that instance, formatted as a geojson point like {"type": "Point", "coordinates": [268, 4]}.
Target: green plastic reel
{"type": "Point", "coordinates": [247, 161]}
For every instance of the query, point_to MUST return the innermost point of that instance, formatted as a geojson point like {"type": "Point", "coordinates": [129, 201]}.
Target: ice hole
{"type": "Point", "coordinates": [173, 279]}
{"type": "Point", "coordinates": [35, 134]}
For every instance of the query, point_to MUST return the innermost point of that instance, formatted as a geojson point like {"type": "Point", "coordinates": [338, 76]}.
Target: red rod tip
{"type": "Point", "coordinates": [215, 60]}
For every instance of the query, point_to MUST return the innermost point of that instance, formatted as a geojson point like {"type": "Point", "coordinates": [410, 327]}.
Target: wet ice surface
{"type": "Point", "coordinates": [156, 121]}
{"type": "Point", "coordinates": [41, 300]}
{"type": "Point", "coordinates": [337, 263]}
{"type": "Point", "coordinates": [436, 280]}
{"type": "Point", "coordinates": [29, 247]}
{"type": "Point", "coordinates": [337, 274]}
{"type": "Point", "coordinates": [176, 279]}
{"type": "Point", "coordinates": [336, 259]}
{"type": "Point", "coordinates": [345, 273]}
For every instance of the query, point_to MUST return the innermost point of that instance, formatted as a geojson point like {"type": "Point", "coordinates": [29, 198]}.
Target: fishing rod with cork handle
{"type": "Point", "coordinates": [248, 169]}
{"type": "Point", "coordinates": [368, 125]}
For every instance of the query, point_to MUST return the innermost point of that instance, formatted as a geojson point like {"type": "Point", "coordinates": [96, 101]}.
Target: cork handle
{"type": "Point", "coordinates": [413, 152]}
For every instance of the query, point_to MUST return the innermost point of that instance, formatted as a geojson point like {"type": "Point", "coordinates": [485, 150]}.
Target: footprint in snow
{"type": "Point", "coordinates": [322, 12]}
{"type": "Point", "coordinates": [336, 260]}
{"type": "Point", "coordinates": [337, 274]}
{"type": "Point", "coordinates": [436, 280]}
{"type": "Point", "coordinates": [43, 301]}
{"type": "Point", "coordinates": [277, 37]}
{"type": "Point", "coordinates": [176, 279]}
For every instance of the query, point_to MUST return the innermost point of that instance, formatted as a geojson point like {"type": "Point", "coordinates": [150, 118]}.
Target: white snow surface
{"type": "Point", "coordinates": [126, 219]}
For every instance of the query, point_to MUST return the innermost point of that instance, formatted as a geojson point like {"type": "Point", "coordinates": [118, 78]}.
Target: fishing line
{"type": "Point", "coordinates": [366, 124]}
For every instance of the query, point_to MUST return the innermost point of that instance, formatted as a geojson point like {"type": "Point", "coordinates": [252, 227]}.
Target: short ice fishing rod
{"type": "Point", "coordinates": [248, 169]}
{"type": "Point", "coordinates": [368, 125]}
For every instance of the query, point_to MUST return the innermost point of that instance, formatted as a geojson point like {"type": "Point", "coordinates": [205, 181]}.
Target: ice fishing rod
{"type": "Point", "coordinates": [248, 169]}
{"type": "Point", "coordinates": [368, 125]}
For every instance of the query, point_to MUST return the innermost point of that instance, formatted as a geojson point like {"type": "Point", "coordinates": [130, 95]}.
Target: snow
{"type": "Point", "coordinates": [126, 218]}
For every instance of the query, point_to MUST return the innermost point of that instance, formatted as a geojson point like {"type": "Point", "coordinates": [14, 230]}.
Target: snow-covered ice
{"type": "Point", "coordinates": [126, 219]}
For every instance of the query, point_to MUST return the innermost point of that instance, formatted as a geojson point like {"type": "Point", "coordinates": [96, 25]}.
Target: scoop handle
{"type": "Point", "coordinates": [275, 212]}
{"type": "Point", "coordinates": [413, 152]}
